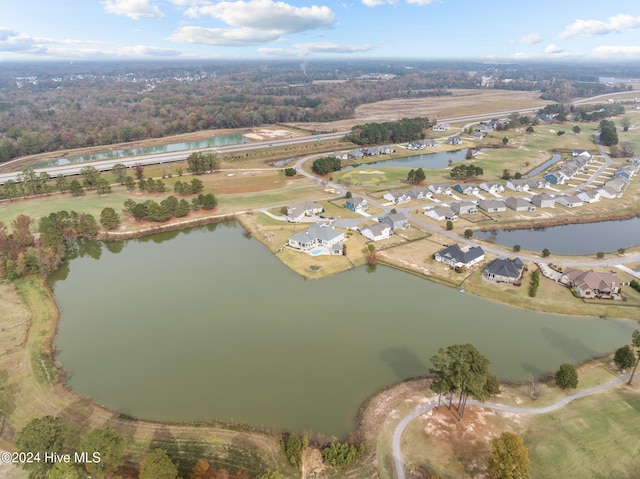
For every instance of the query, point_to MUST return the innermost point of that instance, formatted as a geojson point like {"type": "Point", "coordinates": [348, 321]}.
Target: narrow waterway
{"type": "Point", "coordinates": [206, 324]}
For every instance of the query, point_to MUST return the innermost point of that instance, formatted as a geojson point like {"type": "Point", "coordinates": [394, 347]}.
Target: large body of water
{"type": "Point", "coordinates": [222, 140]}
{"type": "Point", "coordinates": [206, 324]}
{"type": "Point", "coordinates": [587, 238]}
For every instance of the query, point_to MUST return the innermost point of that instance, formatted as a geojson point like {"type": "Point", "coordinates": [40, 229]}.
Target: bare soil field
{"type": "Point", "coordinates": [461, 103]}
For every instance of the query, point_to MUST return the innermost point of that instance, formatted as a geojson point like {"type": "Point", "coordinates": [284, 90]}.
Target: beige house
{"type": "Point", "coordinates": [591, 284]}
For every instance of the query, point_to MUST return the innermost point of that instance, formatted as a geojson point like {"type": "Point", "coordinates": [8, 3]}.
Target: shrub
{"type": "Point", "coordinates": [293, 446]}
{"type": "Point", "coordinates": [535, 282]}
{"type": "Point", "coordinates": [566, 377]}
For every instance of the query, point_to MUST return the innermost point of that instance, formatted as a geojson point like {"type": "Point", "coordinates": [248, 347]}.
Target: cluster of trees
{"type": "Point", "coordinates": [415, 177]}
{"type": "Point", "coordinates": [628, 356]}
{"type": "Point", "coordinates": [508, 458]}
{"type": "Point", "coordinates": [407, 129]}
{"type": "Point", "coordinates": [462, 368]}
{"type": "Point", "coordinates": [326, 165]}
{"type": "Point", "coordinates": [635, 284]}
{"type": "Point", "coordinates": [294, 445]}
{"type": "Point", "coordinates": [150, 210]}
{"type": "Point", "coordinates": [193, 187]}
{"type": "Point", "coordinates": [204, 470]}
{"type": "Point", "coordinates": [464, 171]}
{"type": "Point", "coordinates": [49, 434]}
{"type": "Point", "coordinates": [21, 254]}
{"type": "Point", "coordinates": [342, 454]}
{"type": "Point", "coordinates": [608, 133]}
{"type": "Point", "coordinates": [203, 162]}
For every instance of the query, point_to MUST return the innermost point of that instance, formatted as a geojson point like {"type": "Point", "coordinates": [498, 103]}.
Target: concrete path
{"type": "Point", "coordinates": [402, 425]}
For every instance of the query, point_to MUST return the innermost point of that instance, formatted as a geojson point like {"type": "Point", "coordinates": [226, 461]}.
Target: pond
{"type": "Point", "coordinates": [222, 140]}
{"type": "Point", "coordinates": [206, 324]}
{"type": "Point", "coordinates": [426, 161]}
{"type": "Point", "coordinates": [588, 238]}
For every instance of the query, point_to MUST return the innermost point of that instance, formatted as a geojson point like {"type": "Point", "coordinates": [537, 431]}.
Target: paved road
{"type": "Point", "coordinates": [402, 425]}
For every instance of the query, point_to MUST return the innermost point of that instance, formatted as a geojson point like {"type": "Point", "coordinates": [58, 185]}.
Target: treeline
{"type": "Point", "coordinates": [407, 129]}
{"type": "Point", "coordinates": [168, 208]}
{"type": "Point", "coordinates": [464, 172]}
{"type": "Point", "coordinates": [336, 454]}
{"type": "Point", "coordinates": [23, 252]}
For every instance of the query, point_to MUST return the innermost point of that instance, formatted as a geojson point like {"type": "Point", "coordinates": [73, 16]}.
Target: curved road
{"type": "Point", "coordinates": [402, 425]}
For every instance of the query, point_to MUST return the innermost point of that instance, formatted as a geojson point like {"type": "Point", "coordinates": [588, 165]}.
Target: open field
{"type": "Point", "coordinates": [461, 103]}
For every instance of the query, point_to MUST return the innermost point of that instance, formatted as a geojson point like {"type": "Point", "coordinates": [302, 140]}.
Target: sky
{"type": "Point", "coordinates": [579, 30]}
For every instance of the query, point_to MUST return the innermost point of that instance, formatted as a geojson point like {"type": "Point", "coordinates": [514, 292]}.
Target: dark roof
{"type": "Point", "coordinates": [505, 267]}
{"type": "Point", "coordinates": [455, 253]}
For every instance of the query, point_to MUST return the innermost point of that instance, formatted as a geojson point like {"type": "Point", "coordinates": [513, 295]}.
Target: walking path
{"type": "Point", "coordinates": [397, 433]}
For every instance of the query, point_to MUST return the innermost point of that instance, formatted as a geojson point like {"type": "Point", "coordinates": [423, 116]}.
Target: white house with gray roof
{"type": "Point", "coordinates": [296, 212]}
{"type": "Point", "coordinates": [570, 201]}
{"type": "Point", "coordinates": [543, 200]}
{"type": "Point", "coordinates": [519, 204]}
{"type": "Point", "coordinates": [397, 221]}
{"type": "Point", "coordinates": [492, 206]}
{"type": "Point", "coordinates": [457, 257]}
{"type": "Point", "coordinates": [377, 231]}
{"type": "Point", "coordinates": [397, 197]}
{"type": "Point", "coordinates": [320, 238]}
{"type": "Point", "coordinates": [440, 188]}
{"type": "Point", "coordinates": [356, 204]}
{"type": "Point", "coordinates": [441, 213]}
{"type": "Point", "coordinates": [464, 208]}
{"type": "Point", "coordinates": [518, 185]}
{"type": "Point", "coordinates": [608, 193]}
{"type": "Point", "coordinates": [492, 187]}
{"type": "Point", "coordinates": [589, 196]}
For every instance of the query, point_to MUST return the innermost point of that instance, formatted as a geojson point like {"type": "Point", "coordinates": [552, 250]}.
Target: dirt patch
{"type": "Point", "coordinates": [312, 464]}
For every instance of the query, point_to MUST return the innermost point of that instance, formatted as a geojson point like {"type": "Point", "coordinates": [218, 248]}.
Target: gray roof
{"type": "Point", "coordinates": [508, 268]}
{"type": "Point", "coordinates": [455, 253]}
{"type": "Point", "coordinates": [355, 200]}
{"type": "Point", "coordinates": [320, 231]}
{"type": "Point", "coordinates": [377, 229]}
{"type": "Point", "coordinates": [514, 202]}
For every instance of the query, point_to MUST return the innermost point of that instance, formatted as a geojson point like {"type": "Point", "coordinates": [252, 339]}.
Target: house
{"type": "Point", "coordinates": [440, 189]}
{"type": "Point", "coordinates": [484, 128]}
{"type": "Point", "coordinates": [591, 284]}
{"type": "Point", "coordinates": [537, 184]}
{"type": "Point", "coordinates": [518, 185]}
{"type": "Point", "coordinates": [618, 184]}
{"type": "Point", "coordinates": [589, 196]}
{"type": "Point", "coordinates": [543, 200]}
{"type": "Point", "coordinates": [377, 231]}
{"type": "Point", "coordinates": [464, 208]}
{"type": "Point", "coordinates": [476, 135]}
{"type": "Point", "coordinates": [635, 160]}
{"type": "Point", "coordinates": [519, 204]}
{"type": "Point", "coordinates": [318, 239]}
{"type": "Point", "coordinates": [441, 127]}
{"type": "Point", "coordinates": [296, 212]}
{"type": "Point", "coordinates": [355, 153]}
{"type": "Point", "coordinates": [356, 204]}
{"type": "Point", "coordinates": [416, 145]}
{"type": "Point", "coordinates": [585, 153]}
{"type": "Point", "coordinates": [397, 197]}
{"type": "Point", "coordinates": [386, 150]}
{"type": "Point", "coordinates": [371, 151]}
{"type": "Point", "coordinates": [466, 188]}
{"type": "Point", "coordinates": [418, 193]}
{"type": "Point", "coordinates": [503, 270]}
{"type": "Point", "coordinates": [492, 187]}
{"type": "Point", "coordinates": [441, 213]}
{"type": "Point", "coordinates": [458, 258]}
{"type": "Point", "coordinates": [397, 221]}
{"type": "Point", "coordinates": [454, 140]}
{"type": "Point", "coordinates": [430, 143]}
{"type": "Point", "coordinates": [492, 206]}
{"type": "Point", "coordinates": [625, 171]}
{"type": "Point", "coordinates": [555, 178]}
{"type": "Point", "coordinates": [570, 201]}
{"type": "Point", "coordinates": [609, 193]}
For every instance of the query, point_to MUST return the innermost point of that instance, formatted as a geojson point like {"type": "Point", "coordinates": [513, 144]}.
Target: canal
{"type": "Point", "coordinates": [207, 324]}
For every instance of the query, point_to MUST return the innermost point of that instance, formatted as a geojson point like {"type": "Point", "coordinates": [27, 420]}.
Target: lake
{"type": "Point", "coordinates": [206, 324]}
{"type": "Point", "coordinates": [426, 161]}
{"type": "Point", "coordinates": [587, 238]}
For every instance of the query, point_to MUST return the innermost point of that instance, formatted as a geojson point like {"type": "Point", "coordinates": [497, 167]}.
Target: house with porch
{"type": "Point", "coordinates": [609, 193]}
{"type": "Point", "coordinates": [418, 193]}
{"type": "Point", "coordinates": [618, 184]}
{"type": "Point", "coordinates": [466, 188]}
{"type": "Point", "coordinates": [397, 221]}
{"type": "Point", "coordinates": [441, 213]}
{"type": "Point", "coordinates": [518, 185]}
{"type": "Point", "coordinates": [589, 196]}
{"type": "Point", "coordinates": [519, 204]}
{"type": "Point", "coordinates": [355, 153]}
{"type": "Point", "coordinates": [464, 208]}
{"type": "Point", "coordinates": [454, 140]}
{"type": "Point", "coordinates": [492, 187]}
{"type": "Point", "coordinates": [591, 284]}
{"type": "Point", "coordinates": [537, 183]}
{"type": "Point", "coordinates": [356, 204]}
{"type": "Point", "coordinates": [503, 270]}
{"type": "Point", "coordinates": [492, 206]}
{"type": "Point", "coordinates": [440, 189]}
{"type": "Point", "coordinates": [441, 127]}
{"type": "Point", "coordinates": [377, 231]}
{"type": "Point", "coordinates": [457, 257]}
{"type": "Point", "coordinates": [570, 201]}
{"type": "Point", "coordinates": [397, 197]}
{"type": "Point", "coordinates": [296, 212]}
{"type": "Point", "coordinates": [321, 238]}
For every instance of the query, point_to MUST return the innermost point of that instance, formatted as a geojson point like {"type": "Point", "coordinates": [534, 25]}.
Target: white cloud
{"type": "Point", "coordinates": [135, 9]}
{"type": "Point", "coordinates": [530, 39]}
{"type": "Point", "coordinates": [608, 51]}
{"type": "Point", "coordinates": [268, 15]}
{"type": "Point", "coordinates": [420, 2]}
{"type": "Point", "coordinates": [15, 42]}
{"type": "Point", "coordinates": [619, 23]}
{"type": "Point", "coordinates": [552, 49]}
{"type": "Point", "coordinates": [232, 37]}
{"type": "Point", "coordinates": [377, 3]}
{"type": "Point", "coordinates": [147, 51]}
{"type": "Point", "coordinates": [304, 49]}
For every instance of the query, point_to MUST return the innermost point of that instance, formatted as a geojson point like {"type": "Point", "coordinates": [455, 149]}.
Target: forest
{"type": "Point", "coordinates": [62, 106]}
